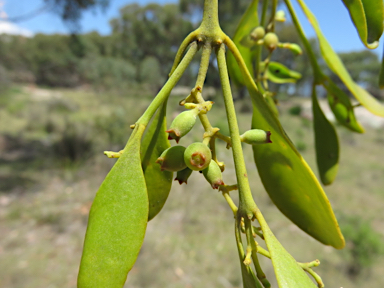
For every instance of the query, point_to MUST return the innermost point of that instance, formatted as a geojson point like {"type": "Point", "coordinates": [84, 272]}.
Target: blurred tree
{"type": "Point", "coordinates": [151, 30]}
{"type": "Point", "coordinates": [52, 61]}
{"type": "Point", "coordinates": [70, 10]}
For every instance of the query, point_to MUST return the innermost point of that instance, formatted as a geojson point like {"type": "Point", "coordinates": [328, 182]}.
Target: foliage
{"type": "Point", "coordinates": [117, 226]}
{"type": "Point", "coordinates": [138, 185]}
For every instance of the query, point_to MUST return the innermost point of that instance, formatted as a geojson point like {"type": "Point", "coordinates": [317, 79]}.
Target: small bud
{"type": "Point", "coordinates": [197, 156]}
{"type": "Point", "coordinates": [182, 124]}
{"type": "Point", "coordinates": [270, 41]}
{"type": "Point", "coordinates": [190, 105]}
{"type": "Point", "coordinates": [256, 136]}
{"type": "Point", "coordinates": [172, 159]}
{"type": "Point", "coordinates": [213, 175]}
{"type": "Point", "coordinates": [280, 16]}
{"type": "Point", "coordinates": [296, 49]}
{"type": "Point", "coordinates": [183, 175]}
{"type": "Point", "coordinates": [258, 33]}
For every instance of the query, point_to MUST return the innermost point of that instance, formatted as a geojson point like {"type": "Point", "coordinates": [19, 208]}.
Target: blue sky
{"type": "Point", "coordinates": [331, 14]}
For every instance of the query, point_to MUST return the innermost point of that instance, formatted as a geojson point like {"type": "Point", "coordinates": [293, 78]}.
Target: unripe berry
{"type": "Point", "coordinates": [182, 124]}
{"type": "Point", "coordinates": [213, 175]}
{"type": "Point", "coordinates": [183, 175]}
{"type": "Point", "coordinates": [271, 40]}
{"type": "Point", "coordinates": [280, 16]}
{"type": "Point", "coordinates": [172, 159]}
{"type": "Point", "coordinates": [197, 156]}
{"type": "Point", "coordinates": [258, 33]}
{"type": "Point", "coordinates": [256, 136]}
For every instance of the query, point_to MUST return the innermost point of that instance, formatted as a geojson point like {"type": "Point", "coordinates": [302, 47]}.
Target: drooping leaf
{"type": "Point", "coordinates": [288, 273]}
{"type": "Point", "coordinates": [117, 221]}
{"type": "Point", "coordinates": [249, 278]}
{"type": "Point", "coordinates": [326, 143]}
{"type": "Point", "coordinates": [336, 65]}
{"type": "Point", "coordinates": [158, 182]}
{"type": "Point", "coordinates": [341, 106]}
{"type": "Point", "coordinates": [286, 176]}
{"type": "Point", "coordinates": [368, 18]}
{"type": "Point", "coordinates": [381, 75]}
{"type": "Point", "coordinates": [247, 23]}
{"type": "Point", "coordinates": [279, 73]}
{"type": "Point", "coordinates": [290, 182]}
{"type": "Point", "coordinates": [271, 103]}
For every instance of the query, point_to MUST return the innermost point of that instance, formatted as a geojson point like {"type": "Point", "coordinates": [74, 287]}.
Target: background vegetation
{"type": "Point", "coordinates": [66, 98]}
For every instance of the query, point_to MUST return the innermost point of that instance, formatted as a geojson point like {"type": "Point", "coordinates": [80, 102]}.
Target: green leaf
{"type": "Point", "coordinates": [289, 180]}
{"type": "Point", "coordinates": [381, 75]}
{"type": "Point", "coordinates": [326, 143]}
{"type": "Point", "coordinates": [249, 278]}
{"type": "Point", "coordinates": [341, 106]}
{"type": "Point", "coordinates": [154, 143]}
{"type": "Point", "coordinates": [248, 22]}
{"type": "Point", "coordinates": [286, 176]}
{"type": "Point", "coordinates": [368, 18]}
{"type": "Point", "coordinates": [271, 102]}
{"type": "Point", "coordinates": [288, 273]}
{"type": "Point", "coordinates": [117, 221]}
{"type": "Point", "coordinates": [279, 73]}
{"type": "Point", "coordinates": [334, 63]}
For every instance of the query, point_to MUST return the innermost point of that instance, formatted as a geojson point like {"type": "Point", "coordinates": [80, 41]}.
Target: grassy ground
{"type": "Point", "coordinates": [51, 165]}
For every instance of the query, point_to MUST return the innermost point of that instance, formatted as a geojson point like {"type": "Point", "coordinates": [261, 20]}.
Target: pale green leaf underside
{"type": "Point", "coordinates": [117, 222]}
{"type": "Point", "coordinates": [326, 143]}
{"type": "Point", "coordinates": [290, 182]}
{"type": "Point", "coordinates": [158, 182]}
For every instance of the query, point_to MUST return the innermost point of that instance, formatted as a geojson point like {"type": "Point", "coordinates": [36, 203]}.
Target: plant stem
{"type": "Point", "coordinates": [264, 13]}
{"type": "Point", "coordinates": [210, 21]}
{"type": "Point", "coordinates": [247, 206]}
{"type": "Point", "coordinates": [167, 88]}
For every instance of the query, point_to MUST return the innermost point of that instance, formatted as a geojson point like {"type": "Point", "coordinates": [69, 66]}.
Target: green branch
{"type": "Point", "coordinates": [167, 88]}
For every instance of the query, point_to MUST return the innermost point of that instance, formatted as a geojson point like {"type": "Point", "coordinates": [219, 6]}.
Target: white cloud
{"type": "Point", "coordinates": [10, 28]}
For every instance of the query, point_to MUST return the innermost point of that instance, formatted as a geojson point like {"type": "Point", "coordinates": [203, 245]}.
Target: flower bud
{"type": "Point", "coordinates": [183, 175]}
{"type": "Point", "coordinates": [197, 156]}
{"type": "Point", "coordinates": [256, 136]}
{"type": "Point", "coordinates": [271, 40]}
{"type": "Point", "coordinates": [172, 159]}
{"type": "Point", "coordinates": [213, 175]}
{"type": "Point", "coordinates": [295, 49]}
{"type": "Point", "coordinates": [182, 124]}
{"type": "Point", "coordinates": [258, 33]}
{"type": "Point", "coordinates": [280, 16]}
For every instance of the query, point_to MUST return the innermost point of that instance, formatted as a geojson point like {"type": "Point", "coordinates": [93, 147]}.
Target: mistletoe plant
{"type": "Point", "coordinates": [138, 185]}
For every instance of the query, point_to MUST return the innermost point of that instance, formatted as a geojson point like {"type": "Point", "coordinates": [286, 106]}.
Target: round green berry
{"type": "Point", "coordinates": [271, 40]}
{"type": "Point", "coordinates": [258, 33]}
{"type": "Point", "coordinates": [197, 156]}
{"type": "Point", "coordinates": [172, 159]}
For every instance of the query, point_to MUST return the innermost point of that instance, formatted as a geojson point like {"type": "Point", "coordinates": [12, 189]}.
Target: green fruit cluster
{"type": "Point", "coordinates": [182, 124]}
